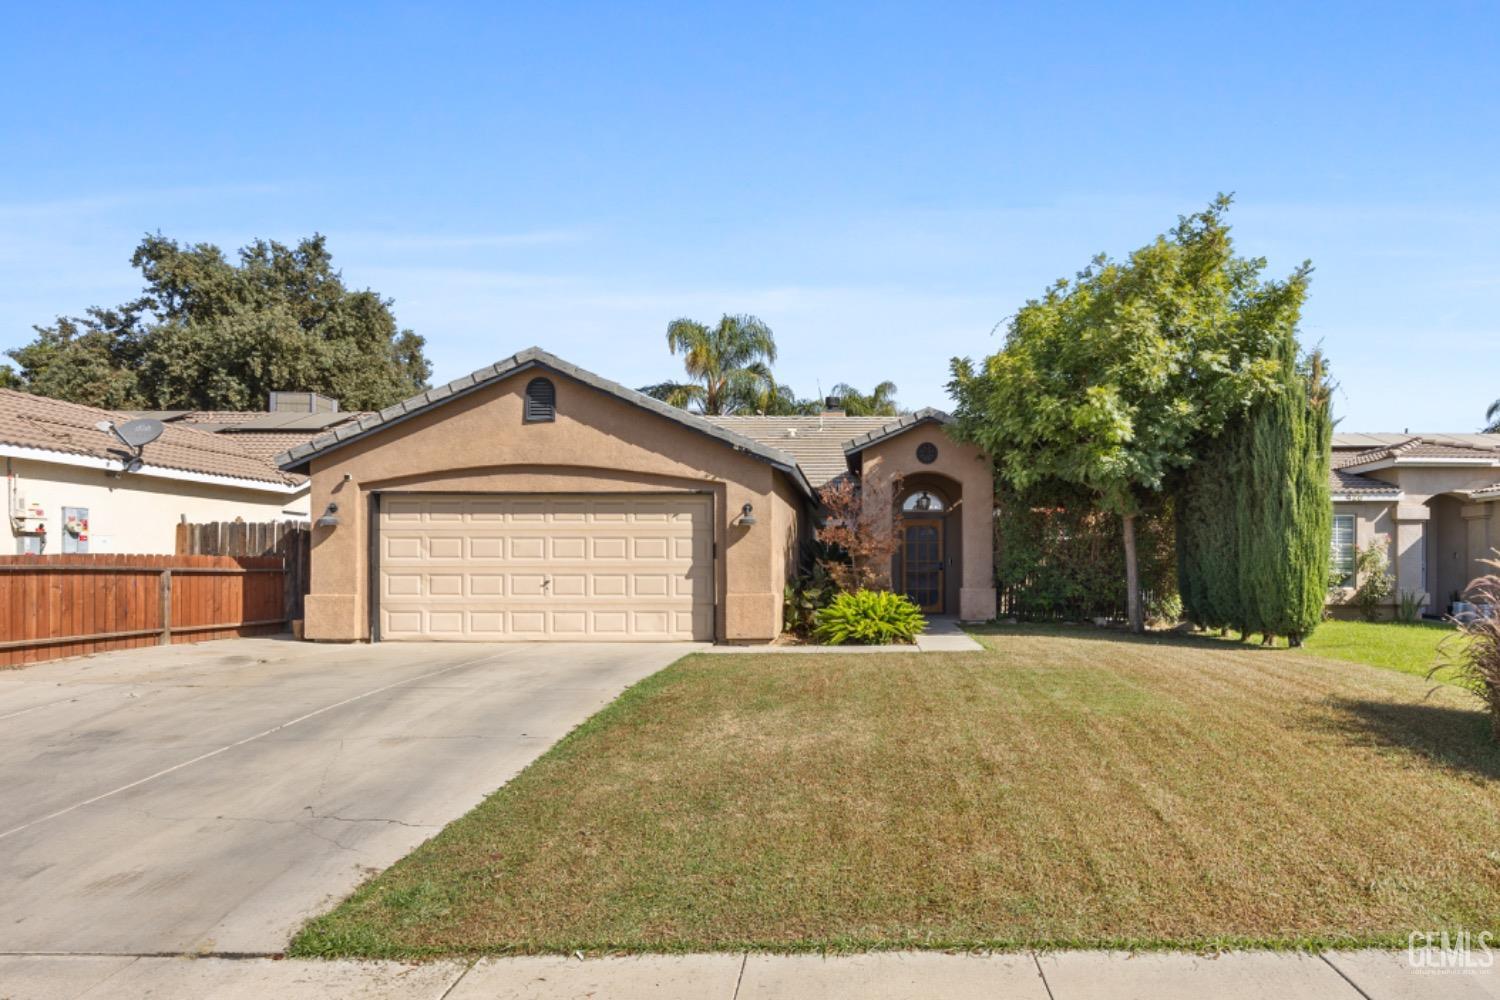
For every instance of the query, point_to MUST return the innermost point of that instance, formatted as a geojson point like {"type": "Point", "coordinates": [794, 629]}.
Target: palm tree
{"type": "Point", "coordinates": [780, 401]}
{"type": "Point", "coordinates": [879, 403]}
{"type": "Point", "coordinates": [729, 365]}
{"type": "Point", "coordinates": [1493, 416]}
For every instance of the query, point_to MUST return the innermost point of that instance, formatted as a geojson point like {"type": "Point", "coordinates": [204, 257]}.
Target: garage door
{"type": "Point", "coordinates": [560, 567]}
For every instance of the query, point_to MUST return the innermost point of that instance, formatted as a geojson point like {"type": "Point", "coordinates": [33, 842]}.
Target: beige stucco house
{"type": "Point", "coordinates": [1432, 499]}
{"type": "Point", "coordinates": [72, 487]}
{"type": "Point", "coordinates": [532, 500]}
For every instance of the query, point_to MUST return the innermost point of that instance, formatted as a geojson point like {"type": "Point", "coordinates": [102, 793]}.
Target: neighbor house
{"type": "Point", "coordinates": [72, 486]}
{"type": "Point", "coordinates": [1432, 500]}
{"type": "Point", "coordinates": [534, 500]}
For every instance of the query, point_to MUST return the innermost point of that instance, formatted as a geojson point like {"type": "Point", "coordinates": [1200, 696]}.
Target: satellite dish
{"type": "Point", "coordinates": [138, 433]}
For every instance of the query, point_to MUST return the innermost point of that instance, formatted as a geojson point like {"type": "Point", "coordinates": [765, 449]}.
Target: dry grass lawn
{"type": "Point", "coordinates": [1065, 788]}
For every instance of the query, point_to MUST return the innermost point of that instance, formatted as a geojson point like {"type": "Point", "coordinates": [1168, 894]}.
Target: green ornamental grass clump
{"type": "Point", "coordinates": [869, 617]}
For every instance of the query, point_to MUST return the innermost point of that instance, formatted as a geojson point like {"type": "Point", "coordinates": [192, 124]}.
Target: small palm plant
{"type": "Point", "coordinates": [1474, 652]}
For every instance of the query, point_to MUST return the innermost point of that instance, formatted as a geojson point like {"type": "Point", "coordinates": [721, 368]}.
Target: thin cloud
{"type": "Point", "coordinates": [94, 204]}
{"type": "Point", "coordinates": [369, 242]}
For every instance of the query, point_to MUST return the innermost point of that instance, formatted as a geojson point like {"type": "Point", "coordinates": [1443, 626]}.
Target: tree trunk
{"type": "Point", "coordinates": [1132, 577]}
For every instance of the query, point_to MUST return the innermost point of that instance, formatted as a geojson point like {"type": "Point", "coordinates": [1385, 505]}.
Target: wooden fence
{"type": "Point", "coordinates": [288, 540]}
{"type": "Point", "coordinates": [66, 605]}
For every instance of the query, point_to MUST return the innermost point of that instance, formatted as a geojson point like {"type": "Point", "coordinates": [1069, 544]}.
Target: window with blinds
{"type": "Point", "coordinates": [1343, 548]}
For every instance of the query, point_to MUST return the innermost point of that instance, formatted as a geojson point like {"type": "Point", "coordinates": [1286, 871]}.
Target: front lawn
{"type": "Point", "coordinates": [1410, 647]}
{"type": "Point", "coordinates": [1069, 787]}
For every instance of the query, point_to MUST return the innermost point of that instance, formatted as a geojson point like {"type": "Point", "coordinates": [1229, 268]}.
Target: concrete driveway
{"type": "Point", "coordinates": [211, 798]}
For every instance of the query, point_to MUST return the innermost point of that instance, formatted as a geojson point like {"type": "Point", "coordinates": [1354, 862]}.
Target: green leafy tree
{"type": "Point", "coordinates": [1493, 416]}
{"type": "Point", "coordinates": [728, 365]}
{"type": "Point", "coordinates": [1208, 552]}
{"type": "Point", "coordinates": [880, 402]}
{"type": "Point", "coordinates": [211, 333]}
{"type": "Point", "coordinates": [1109, 380]}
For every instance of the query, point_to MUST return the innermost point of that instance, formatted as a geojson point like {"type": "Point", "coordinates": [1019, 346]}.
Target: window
{"type": "Point", "coordinates": [1343, 548]}
{"type": "Point", "coordinates": [541, 400]}
{"type": "Point", "coordinates": [924, 502]}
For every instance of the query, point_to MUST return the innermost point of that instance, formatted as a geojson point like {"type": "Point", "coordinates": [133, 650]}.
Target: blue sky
{"type": "Point", "coordinates": [883, 184]}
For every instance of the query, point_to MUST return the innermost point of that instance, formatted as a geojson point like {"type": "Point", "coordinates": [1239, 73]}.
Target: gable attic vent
{"type": "Point", "coordinates": [541, 400]}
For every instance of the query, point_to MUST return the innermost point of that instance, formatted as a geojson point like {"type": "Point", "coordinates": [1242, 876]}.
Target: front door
{"type": "Point", "coordinates": [922, 563]}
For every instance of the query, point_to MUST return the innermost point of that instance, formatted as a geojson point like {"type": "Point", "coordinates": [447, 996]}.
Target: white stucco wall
{"type": "Point", "coordinates": [133, 512]}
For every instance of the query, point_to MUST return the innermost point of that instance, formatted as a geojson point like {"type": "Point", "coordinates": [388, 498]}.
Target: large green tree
{"type": "Point", "coordinates": [212, 333]}
{"type": "Point", "coordinates": [1493, 416]}
{"type": "Point", "coordinates": [1109, 380]}
{"type": "Point", "coordinates": [728, 365]}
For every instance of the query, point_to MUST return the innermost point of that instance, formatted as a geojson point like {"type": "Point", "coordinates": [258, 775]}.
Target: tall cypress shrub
{"type": "Point", "coordinates": [1284, 514]}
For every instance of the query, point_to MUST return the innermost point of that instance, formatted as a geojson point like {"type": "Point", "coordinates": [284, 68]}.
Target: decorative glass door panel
{"type": "Point", "coordinates": [922, 563]}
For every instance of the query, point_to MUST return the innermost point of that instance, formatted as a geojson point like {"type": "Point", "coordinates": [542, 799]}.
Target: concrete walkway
{"type": "Point", "coordinates": [943, 635]}
{"type": "Point", "coordinates": [1079, 975]}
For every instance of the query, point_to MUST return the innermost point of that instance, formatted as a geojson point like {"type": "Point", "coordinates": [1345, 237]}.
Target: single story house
{"type": "Point", "coordinates": [72, 486]}
{"type": "Point", "coordinates": [1433, 500]}
{"type": "Point", "coordinates": [534, 500]}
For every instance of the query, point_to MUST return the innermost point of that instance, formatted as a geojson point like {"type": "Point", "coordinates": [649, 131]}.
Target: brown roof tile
{"type": "Point", "coordinates": [816, 443]}
{"type": "Point", "coordinates": [32, 421]}
{"type": "Point", "coordinates": [1349, 483]}
{"type": "Point", "coordinates": [1417, 447]}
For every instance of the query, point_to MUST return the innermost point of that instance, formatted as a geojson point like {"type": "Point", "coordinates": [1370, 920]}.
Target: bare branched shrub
{"type": "Point", "coordinates": [1474, 652]}
{"type": "Point", "coordinates": [861, 520]}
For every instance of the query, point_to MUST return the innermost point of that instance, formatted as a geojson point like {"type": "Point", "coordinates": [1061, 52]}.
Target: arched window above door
{"type": "Point", "coordinates": [924, 502]}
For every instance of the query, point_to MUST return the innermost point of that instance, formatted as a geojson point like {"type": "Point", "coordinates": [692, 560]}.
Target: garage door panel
{"type": "Point", "coordinates": [570, 548]}
{"type": "Point", "coordinates": [485, 547]}
{"type": "Point", "coordinates": [546, 567]}
{"type": "Point", "coordinates": [398, 547]}
{"type": "Point", "coordinates": [605, 547]}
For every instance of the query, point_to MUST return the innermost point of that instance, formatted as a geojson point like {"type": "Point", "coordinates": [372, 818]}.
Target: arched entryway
{"type": "Point", "coordinates": [928, 566]}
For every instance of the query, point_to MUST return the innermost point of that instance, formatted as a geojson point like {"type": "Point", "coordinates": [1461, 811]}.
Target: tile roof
{"type": "Point", "coordinates": [297, 458]}
{"type": "Point", "coordinates": [1486, 492]}
{"type": "Point", "coordinates": [1418, 448]}
{"type": "Point", "coordinates": [30, 421]}
{"type": "Point", "coordinates": [1361, 441]}
{"type": "Point", "coordinates": [816, 443]}
{"type": "Point", "coordinates": [1342, 483]}
{"type": "Point", "coordinates": [902, 424]}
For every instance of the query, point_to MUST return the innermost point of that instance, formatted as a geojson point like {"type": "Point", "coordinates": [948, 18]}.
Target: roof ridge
{"type": "Point", "coordinates": [296, 457]}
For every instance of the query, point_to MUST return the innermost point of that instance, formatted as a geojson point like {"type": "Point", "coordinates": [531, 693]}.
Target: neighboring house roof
{"type": "Point", "coordinates": [199, 416]}
{"type": "Point", "coordinates": [1486, 492]}
{"type": "Point", "coordinates": [902, 424]}
{"type": "Point", "coordinates": [36, 423]}
{"type": "Point", "coordinates": [816, 442]}
{"type": "Point", "coordinates": [1360, 441]}
{"type": "Point", "coordinates": [297, 459]}
{"type": "Point", "coordinates": [1352, 486]}
{"type": "Point", "coordinates": [1417, 450]}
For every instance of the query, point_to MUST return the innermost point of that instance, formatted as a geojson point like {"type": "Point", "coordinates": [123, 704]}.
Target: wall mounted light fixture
{"type": "Point", "coordinates": [747, 516]}
{"type": "Point", "coordinates": [330, 517]}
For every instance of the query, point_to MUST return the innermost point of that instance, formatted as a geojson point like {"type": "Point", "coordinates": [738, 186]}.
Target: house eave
{"type": "Point", "coordinates": [117, 467]}
{"type": "Point", "coordinates": [895, 428]}
{"type": "Point", "coordinates": [1367, 497]}
{"type": "Point", "coordinates": [1421, 463]}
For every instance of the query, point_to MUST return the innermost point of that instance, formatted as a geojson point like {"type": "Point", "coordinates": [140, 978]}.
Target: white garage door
{"type": "Point", "coordinates": [552, 566]}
